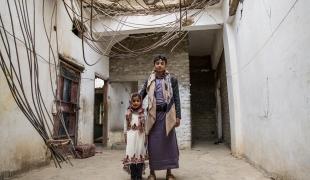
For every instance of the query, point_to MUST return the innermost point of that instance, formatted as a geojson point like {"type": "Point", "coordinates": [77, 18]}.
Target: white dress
{"type": "Point", "coordinates": [135, 147]}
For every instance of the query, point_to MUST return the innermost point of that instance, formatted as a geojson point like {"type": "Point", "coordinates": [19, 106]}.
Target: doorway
{"type": "Point", "coordinates": [100, 112]}
{"type": "Point", "coordinates": [209, 92]}
{"type": "Point", "coordinates": [203, 103]}
{"type": "Point", "coordinates": [67, 99]}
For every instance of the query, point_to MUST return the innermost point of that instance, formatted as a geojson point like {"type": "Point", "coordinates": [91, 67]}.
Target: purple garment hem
{"type": "Point", "coordinates": [163, 150]}
{"type": "Point", "coordinates": [163, 165]}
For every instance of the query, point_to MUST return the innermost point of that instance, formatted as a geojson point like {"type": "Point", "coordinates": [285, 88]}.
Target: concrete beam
{"type": "Point", "coordinates": [210, 18]}
{"type": "Point", "coordinates": [217, 49]}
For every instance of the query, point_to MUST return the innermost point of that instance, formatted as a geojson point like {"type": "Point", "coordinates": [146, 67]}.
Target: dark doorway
{"type": "Point", "coordinates": [100, 105]}
{"type": "Point", "coordinates": [203, 101]}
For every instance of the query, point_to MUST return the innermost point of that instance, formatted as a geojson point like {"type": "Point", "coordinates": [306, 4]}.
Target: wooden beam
{"type": "Point", "coordinates": [71, 62]}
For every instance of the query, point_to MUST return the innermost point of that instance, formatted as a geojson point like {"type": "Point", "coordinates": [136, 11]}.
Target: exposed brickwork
{"type": "Point", "coordinates": [203, 99]}
{"type": "Point", "coordinates": [139, 68]}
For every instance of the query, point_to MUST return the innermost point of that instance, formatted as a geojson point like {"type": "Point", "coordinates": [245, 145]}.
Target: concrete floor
{"type": "Point", "coordinates": [203, 162]}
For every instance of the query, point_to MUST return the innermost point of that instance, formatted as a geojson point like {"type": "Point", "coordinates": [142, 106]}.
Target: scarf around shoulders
{"type": "Point", "coordinates": [141, 118]}
{"type": "Point", "coordinates": [168, 96]}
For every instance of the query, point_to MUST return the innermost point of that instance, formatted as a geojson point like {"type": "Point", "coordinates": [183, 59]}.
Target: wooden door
{"type": "Point", "coordinates": [65, 121]}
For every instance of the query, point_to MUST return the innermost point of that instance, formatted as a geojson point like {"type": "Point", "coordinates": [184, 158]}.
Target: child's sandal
{"type": "Point", "coordinates": [170, 177]}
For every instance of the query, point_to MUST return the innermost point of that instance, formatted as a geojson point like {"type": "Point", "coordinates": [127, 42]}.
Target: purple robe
{"type": "Point", "coordinates": [163, 150]}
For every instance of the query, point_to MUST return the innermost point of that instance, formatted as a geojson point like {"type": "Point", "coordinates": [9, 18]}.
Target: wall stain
{"type": "Point", "coordinates": [26, 158]}
{"type": "Point", "coordinates": [8, 101]}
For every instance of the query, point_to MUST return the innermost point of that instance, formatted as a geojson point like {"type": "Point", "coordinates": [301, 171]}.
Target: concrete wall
{"type": "Point", "coordinates": [118, 101]}
{"type": "Point", "coordinates": [139, 68]}
{"type": "Point", "coordinates": [268, 73]}
{"type": "Point", "coordinates": [21, 146]}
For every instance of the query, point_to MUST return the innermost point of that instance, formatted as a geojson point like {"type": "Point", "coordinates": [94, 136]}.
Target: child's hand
{"type": "Point", "coordinates": [128, 114]}
{"type": "Point", "coordinates": [177, 123]}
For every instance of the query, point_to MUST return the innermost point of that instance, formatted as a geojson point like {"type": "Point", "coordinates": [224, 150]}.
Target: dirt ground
{"type": "Point", "coordinates": [203, 162]}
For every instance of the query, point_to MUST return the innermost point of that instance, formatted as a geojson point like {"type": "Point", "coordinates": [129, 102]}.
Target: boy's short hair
{"type": "Point", "coordinates": [160, 57]}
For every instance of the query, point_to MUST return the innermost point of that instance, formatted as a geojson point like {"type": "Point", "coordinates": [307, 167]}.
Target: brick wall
{"type": "Point", "coordinates": [138, 69]}
{"type": "Point", "coordinates": [203, 99]}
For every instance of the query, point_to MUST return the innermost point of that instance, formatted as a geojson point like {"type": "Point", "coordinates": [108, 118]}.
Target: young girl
{"type": "Point", "coordinates": [134, 132]}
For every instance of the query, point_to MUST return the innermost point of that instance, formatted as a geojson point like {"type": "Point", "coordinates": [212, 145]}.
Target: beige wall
{"type": "Point", "coordinates": [267, 62]}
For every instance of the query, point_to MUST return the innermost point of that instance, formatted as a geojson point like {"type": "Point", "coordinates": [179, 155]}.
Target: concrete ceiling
{"type": "Point", "coordinates": [201, 42]}
{"type": "Point", "coordinates": [148, 6]}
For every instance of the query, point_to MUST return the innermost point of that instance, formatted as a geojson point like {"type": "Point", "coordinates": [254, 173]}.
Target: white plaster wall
{"type": "Point", "coordinates": [272, 70]}
{"type": "Point", "coordinates": [118, 102]}
{"type": "Point", "coordinates": [231, 63]}
{"type": "Point", "coordinates": [71, 45]}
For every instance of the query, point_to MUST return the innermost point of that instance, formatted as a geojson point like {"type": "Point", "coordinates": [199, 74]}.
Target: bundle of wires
{"type": "Point", "coordinates": [89, 10]}
{"type": "Point", "coordinates": [23, 80]}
